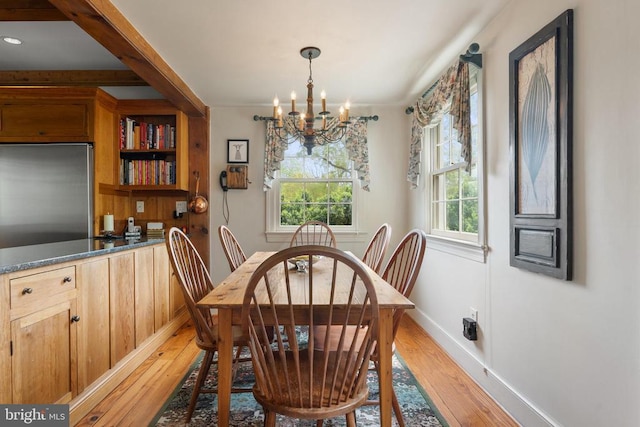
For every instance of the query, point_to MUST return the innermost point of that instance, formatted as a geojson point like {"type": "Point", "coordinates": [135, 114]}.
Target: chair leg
{"type": "Point", "coordinates": [236, 359]}
{"type": "Point", "coordinates": [396, 408]}
{"type": "Point", "coordinates": [351, 419]}
{"type": "Point", "coordinates": [269, 418]}
{"type": "Point", "coordinates": [319, 423]}
{"type": "Point", "coordinates": [202, 376]}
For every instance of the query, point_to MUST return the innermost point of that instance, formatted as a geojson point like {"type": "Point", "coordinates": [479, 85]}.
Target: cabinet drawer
{"type": "Point", "coordinates": [39, 290]}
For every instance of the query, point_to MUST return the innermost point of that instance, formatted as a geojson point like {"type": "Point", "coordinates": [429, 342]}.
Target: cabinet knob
{"type": "Point", "coordinates": [27, 291]}
{"type": "Point", "coordinates": [75, 318]}
{"type": "Point", "coordinates": [67, 279]}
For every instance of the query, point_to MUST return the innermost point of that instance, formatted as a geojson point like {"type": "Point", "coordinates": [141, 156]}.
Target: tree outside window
{"type": "Point", "coordinates": [317, 186]}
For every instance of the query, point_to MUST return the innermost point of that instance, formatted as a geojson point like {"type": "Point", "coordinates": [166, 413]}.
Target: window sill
{"type": "Point", "coordinates": [341, 236]}
{"type": "Point", "coordinates": [468, 250]}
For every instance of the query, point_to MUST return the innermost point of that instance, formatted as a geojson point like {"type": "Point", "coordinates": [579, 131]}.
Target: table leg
{"type": "Point", "coordinates": [225, 365]}
{"type": "Point", "coordinates": [385, 353]}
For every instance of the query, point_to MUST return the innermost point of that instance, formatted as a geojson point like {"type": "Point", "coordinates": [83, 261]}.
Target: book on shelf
{"type": "Point", "coordinates": [140, 135]}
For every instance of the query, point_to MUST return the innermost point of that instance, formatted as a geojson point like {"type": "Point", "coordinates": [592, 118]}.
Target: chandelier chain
{"type": "Point", "coordinates": [310, 72]}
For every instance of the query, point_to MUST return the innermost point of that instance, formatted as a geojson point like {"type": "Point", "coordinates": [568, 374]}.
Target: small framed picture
{"type": "Point", "coordinates": [237, 151]}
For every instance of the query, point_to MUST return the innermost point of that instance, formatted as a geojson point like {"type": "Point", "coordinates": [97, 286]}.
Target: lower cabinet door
{"type": "Point", "coordinates": [122, 306]}
{"type": "Point", "coordinates": [44, 355]}
{"type": "Point", "coordinates": [94, 354]}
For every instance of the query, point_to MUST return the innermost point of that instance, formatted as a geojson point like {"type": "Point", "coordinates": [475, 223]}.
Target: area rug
{"type": "Point", "coordinates": [417, 408]}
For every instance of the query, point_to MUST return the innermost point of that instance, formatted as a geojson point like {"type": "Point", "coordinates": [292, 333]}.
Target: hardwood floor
{"type": "Point", "coordinates": [461, 401]}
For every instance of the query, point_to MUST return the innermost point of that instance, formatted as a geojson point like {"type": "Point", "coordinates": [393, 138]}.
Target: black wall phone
{"type": "Point", "coordinates": [223, 181]}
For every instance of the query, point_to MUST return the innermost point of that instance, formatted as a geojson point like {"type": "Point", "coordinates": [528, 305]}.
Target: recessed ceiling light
{"type": "Point", "coordinates": [11, 40]}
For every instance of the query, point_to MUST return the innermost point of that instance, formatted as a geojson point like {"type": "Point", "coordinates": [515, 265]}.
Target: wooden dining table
{"type": "Point", "coordinates": [227, 299]}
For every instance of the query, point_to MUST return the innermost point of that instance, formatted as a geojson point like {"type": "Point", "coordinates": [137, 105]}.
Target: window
{"type": "Point", "coordinates": [320, 186]}
{"type": "Point", "coordinates": [455, 201]}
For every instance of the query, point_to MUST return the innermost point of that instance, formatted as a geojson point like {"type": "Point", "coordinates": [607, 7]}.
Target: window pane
{"type": "Point", "coordinates": [452, 185]}
{"type": "Point", "coordinates": [340, 192]}
{"type": "Point", "coordinates": [444, 155]}
{"type": "Point", "coordinates": [470, 216]}
{"type": "Point", "coordinates": [473, 99]}
{"type": "Point", "coordinates": [316, 212]}
{"type": "Point", "coordinates": [456, 149]}
{"type": "Point", "coordinates": [340, 214]}
{"type": "Point", "coordinates": [316, 192]}
{"type": "Point", "coordinates": [292, 167]}
{"type": "Point", "coordinates": [453, 216]}
{"type": "Point", "coordinates": [339, 165]}
{"type": "Point", "coordinates": [291, 192]}
{"type": "Point", "coordinates": [470, 183]}
{"type": "Point", "coordinates": [291, 213]}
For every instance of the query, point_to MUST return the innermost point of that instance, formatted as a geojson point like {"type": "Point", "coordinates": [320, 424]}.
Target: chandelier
{"type": "Point", "coordinates": [301, 126]}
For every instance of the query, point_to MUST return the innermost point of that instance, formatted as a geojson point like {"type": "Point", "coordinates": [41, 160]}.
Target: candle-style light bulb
{"type": "Point", "coordinates": [276, 102]}
{"type": "Point", "coordinates": [341, 118]}
{"type": "Point", "coordinates": [279, 116]}
{"type": "Point", "coordinates": [302, 116]}
{"type": "Point", "coordinates": [346, 111]}
{"type": "Point", "coordinates": [293, 101]}
{"type": "Point", "coordinates": [323, 96]}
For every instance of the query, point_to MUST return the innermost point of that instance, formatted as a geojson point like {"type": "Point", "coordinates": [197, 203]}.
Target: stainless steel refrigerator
{"type": "Point", "coordinates": [45, 193]}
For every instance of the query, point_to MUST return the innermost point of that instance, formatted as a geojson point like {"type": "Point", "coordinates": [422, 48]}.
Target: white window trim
{"type": "Point", "coordinates": [472, 250]}
{"type": "Point", "coordinates": [277, 233]}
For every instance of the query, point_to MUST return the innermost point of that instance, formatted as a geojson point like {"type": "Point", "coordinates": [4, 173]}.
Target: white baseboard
{"type": "Point", "coordinates": [516, 405]}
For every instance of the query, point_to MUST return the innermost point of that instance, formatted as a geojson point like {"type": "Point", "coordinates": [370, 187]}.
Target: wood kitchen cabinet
{"type": "Point", "coordinates": [44, 335]}
{"type": "Point", "coordinates": [94, 356]}
{"type": "Point", "coordinates": [44, 348]}
{"type": "Point", "coordinates": [122, 305]}
{"type": "Point", "coordinates": [144, 294]}
{"type": "Point", "coordinates": [162, 279]}
{"type": "Point", "coordinates": [46, 120]}
{"type": "Point", "coordinates": [71, 332]}
{"type": "Point", "coordinates": [168, 295]}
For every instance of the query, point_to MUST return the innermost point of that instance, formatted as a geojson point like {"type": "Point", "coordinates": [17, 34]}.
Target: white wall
{"type": "Point", "coordinates": [555, 352]}
{"type": "Point", "coordinates": [388, 157]}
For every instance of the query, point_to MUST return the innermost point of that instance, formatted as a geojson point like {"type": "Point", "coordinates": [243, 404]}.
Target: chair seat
{"type": "Point", "coordinates": [334, 339]}
{"type": "Point", "coordinates": [239, 336]}
{"type": "Point", "coordinates": [319, 336]}
{"type": "Point", "coordinates": [280, 397]}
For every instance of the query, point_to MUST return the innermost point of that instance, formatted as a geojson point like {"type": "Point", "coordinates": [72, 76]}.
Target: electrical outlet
{"type": "Point", "coordinates": [181, 207]}
{"type": "Point", "coordinates": [473, 313]}
{"type": "Point", "coordinates": [140, 206]}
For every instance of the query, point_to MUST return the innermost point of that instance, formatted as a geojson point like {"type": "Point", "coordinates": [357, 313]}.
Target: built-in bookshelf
{"type": "Point", "coordinates": [153, 146]}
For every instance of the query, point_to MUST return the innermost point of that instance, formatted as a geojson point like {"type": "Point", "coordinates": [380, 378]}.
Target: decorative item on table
{"type": "Point", "coordinates": [155, 230]}
{"type": "Point", "coordinates": [301, 263]}
{"type": "Point", "coordinates": [108, 229]}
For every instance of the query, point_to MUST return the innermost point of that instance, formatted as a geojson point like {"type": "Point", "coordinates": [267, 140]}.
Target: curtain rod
{"type": "Point", "coordinates": [365, 118]}
{"type": "Point", "coordinates": [471, 55]}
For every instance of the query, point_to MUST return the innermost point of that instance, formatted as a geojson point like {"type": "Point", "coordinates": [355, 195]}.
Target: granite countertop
{"type": "Point", "coordinates": [26, 257]}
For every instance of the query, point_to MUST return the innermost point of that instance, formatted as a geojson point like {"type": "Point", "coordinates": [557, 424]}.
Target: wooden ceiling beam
{"type": "Point", "coordinates": [29, 10]}
{"type": "Point", "coordinates": [90, 78]}
{"type": "Point", "coordinates": [102, 21]}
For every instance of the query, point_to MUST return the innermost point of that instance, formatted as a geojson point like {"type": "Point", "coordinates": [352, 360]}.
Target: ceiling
{"type": "Point", "coordinates": [243, 53]}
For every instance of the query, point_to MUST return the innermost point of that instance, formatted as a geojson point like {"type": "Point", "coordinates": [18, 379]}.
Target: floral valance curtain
{"type": "Point", "coordinates": [355, 142]}
{"type": "Point", "coordinates": [453, 84]}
